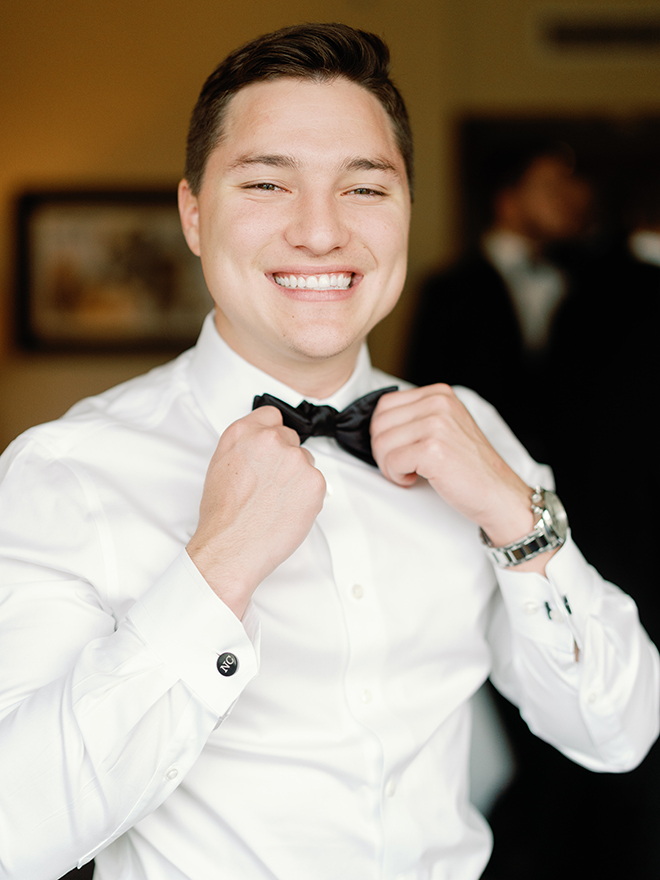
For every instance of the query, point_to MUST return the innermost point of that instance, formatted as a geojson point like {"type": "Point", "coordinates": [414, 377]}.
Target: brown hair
{"type": "Point", "coordinates": [308, 51]}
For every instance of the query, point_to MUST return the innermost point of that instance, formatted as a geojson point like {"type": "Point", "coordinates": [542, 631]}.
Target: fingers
{"type": "Point", "coordinates": [395, 399]}
{"type": "Point", "coordinates": [271, 417]}
{"type": "Point", "coordinates": [428, 432]}
{"type": "Point", "coordinates": [410, 431]}
{"type": "Point", "coordinates": [406, 416]}
{"type": "Point", "coordinates": [264, 417]}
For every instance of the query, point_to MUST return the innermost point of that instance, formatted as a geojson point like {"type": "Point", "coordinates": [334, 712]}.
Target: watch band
{"type": "Point", "coordinates": [548, 533]}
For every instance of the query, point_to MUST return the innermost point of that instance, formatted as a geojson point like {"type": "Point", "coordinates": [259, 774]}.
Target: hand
{"type": "Point", "coordinates": [427, 432]}
{"type": "Point", "coordinates": [261, 496]}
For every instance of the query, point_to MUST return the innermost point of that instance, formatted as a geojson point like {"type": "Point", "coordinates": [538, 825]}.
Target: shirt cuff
{"type": "Point", "coordinates": [190, 628]}
{"type": "Point", "coordinates": [553, 609]}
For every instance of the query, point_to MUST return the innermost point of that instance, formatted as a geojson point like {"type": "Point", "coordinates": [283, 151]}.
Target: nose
{"type": "Point", "coordinates": [317, 223]}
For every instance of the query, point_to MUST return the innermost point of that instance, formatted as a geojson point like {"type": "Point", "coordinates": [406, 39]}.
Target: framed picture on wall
{"type": "Point", "coordinates": [106, 270]}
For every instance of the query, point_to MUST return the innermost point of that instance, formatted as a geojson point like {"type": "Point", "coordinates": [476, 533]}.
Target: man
{"type": "Point", "coordinates": [489, 320]}
{"type": "Point", "coordinates": [266, 671]}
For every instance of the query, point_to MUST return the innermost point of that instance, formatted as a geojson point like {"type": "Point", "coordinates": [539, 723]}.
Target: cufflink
{"type": "Point", "coordinates": [227, 664]}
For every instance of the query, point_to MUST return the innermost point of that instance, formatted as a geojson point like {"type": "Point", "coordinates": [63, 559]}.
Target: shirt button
{"type": "Point", "coordinates": [172, 773]}
{"type": "Point", "coordinates": [592, 697]}
{"type": "Point", "coordinates": [227, 664]}
{"type": "Point", "coordinates": [357, 591]}
{"type": "Point", "coordinates": [365, 696]}
{"type": "Point", "coordinates": [390, 788]}
{"type": "Point", "coordinates": [531, 607]}
{"type": "Point", "coordinates": [555, 615]}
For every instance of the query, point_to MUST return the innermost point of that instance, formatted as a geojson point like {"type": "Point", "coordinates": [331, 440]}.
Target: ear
{"type": "Point", "coordinates": [189, 213]}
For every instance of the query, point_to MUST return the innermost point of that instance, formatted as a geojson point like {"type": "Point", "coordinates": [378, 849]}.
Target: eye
{"type": "Point", "coordinates": [365, 191]}
{"type": "Point", "coordinates": [262, 187]}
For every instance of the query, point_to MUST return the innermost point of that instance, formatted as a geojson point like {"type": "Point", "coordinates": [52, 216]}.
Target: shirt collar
{"type": "Point", "coordinates": [224, 384]}
{"type": "Point", "coordinates": [507, 250]}
{"type": "Point", "coordinates": [645, 245]}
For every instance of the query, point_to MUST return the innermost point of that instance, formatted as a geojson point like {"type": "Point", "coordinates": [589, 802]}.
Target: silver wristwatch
{"type": "Point", "coordinates": [549, 532]}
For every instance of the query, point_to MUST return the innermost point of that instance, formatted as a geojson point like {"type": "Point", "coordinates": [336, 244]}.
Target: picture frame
{"type": "Point", "coordinates": [106, 270]}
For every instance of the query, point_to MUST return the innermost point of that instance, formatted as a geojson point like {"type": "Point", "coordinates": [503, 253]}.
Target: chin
{"type": "Point", "coordinates": [320, 347]}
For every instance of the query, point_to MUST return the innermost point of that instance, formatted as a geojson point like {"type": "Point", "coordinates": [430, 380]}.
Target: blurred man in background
{"type": "Point", "coordinates": [489, 321]}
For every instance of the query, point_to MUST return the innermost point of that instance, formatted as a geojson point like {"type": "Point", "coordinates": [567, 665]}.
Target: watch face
{"type": "Point", "coordinates": [556, 510]}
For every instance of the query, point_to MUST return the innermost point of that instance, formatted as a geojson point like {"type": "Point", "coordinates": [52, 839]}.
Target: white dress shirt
{"type": "Point", "coordinates": [645, 245]}
{"type": "Point", "coordinates": [339, 748]}
{"type": "Point", "coordinates": [536, 287]}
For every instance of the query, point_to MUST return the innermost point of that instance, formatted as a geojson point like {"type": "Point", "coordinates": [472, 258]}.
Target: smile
{"type": "Point", "coordinates": [338, 281]}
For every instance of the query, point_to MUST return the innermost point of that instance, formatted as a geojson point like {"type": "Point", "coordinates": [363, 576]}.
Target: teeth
{"type": "Point", "coordinates": [341, 281]}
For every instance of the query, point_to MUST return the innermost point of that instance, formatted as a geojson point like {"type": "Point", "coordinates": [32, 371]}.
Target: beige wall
{"type": "Point", "coordinates": [99, 94]}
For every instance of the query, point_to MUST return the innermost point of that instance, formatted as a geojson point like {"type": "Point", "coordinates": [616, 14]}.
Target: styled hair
{"type": "Point", "coordinates": [319, 52]}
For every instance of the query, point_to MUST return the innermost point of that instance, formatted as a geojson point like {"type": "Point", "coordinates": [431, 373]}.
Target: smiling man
{"type": "Point", "coordinates": [243, 612]}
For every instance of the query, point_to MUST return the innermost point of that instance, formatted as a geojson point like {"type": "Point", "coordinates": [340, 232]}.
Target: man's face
{"type": "Point", "coordinates": [301, 223]}
{"type": "Point", "coordinates": [553, 203]}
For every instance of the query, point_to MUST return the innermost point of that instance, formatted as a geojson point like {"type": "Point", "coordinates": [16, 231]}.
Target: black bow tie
{"type": "Point", "coordinates": [350, 427]}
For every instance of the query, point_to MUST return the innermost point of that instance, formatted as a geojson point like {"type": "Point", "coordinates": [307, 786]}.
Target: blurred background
{"type": "Point", "coordinates": [97, 96]}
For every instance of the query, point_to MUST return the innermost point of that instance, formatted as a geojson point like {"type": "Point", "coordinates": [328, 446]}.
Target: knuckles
{"type": "Point", "coordinates": [260, 430]}
{"type": "Point", "coordinates": [428, 429]}
{"type": "Point", "coordinates": [440, 388]}
{"type": "Point", "coordinates": [273, 450]}
{"type": "Point", "coordinates": [317, 485]}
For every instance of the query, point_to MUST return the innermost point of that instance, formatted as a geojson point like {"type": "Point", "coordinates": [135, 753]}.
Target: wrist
{"type": "Point", "coordinates": [231, 589]}
{"type": "Point", "coordinates": [513, 520]}
{"type": "Point", "coordinates": [547, 535]}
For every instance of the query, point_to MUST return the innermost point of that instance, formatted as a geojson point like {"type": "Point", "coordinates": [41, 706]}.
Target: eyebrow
{"type": "Point", "coordinates": [364, 164]}
{"type": "Point", "coordinates": [276, 160]}
{"type": "Point", "coordinates": [281, 160]}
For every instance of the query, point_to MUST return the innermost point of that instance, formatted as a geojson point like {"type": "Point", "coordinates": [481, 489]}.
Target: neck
{"type": "Point", "coordinates": [533, 244]}
{"type": "Point", "coordinates": [317, 377]}
{"type": "Point", "coordinates": [317, 380]}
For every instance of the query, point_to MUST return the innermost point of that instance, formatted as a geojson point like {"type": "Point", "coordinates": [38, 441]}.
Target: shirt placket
{"type": "Point", "coordinates": [385, 738]}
